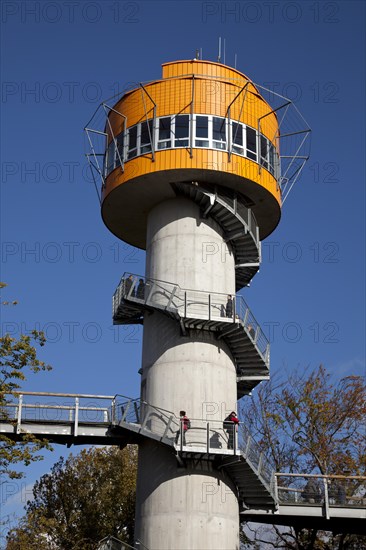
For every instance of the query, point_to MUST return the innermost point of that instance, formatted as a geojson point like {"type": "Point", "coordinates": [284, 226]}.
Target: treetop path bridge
{"type": "Point", "coordinates": [329, 502]}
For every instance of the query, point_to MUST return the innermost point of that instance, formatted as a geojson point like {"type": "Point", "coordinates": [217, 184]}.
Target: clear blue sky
{"type": "Point", "coordinates": [59, 60]}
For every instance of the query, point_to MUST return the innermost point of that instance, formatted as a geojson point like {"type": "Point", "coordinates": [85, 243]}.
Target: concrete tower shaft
{"type": "Point", "coordinates": [192, 507]}
{"type": "Point", "coordinates": [185, 372]}
{"type": "Point", "coordinates": [177, 242]}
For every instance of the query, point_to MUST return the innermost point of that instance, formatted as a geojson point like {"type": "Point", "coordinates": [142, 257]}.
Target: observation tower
{"type": "Point", "coordinates": [194, 169]}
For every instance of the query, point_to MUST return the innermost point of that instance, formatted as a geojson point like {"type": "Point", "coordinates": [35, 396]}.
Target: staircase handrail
{"type": "Point", "coordinates": [174, 293]}
{"type": "Point", "coordinates": [238, 209]}
{"type": "Point", "coordinates": [252, 452]}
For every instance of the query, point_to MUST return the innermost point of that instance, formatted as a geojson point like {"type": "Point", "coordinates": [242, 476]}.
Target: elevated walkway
{"type": "Point", "coordinates": [337, 504]}
{"type": "Point", "coordinates": [86, 419]}
{"type": "Point", "coordinates": [199, 310]}
{"type": "Point", "coordinates": [237, 221]}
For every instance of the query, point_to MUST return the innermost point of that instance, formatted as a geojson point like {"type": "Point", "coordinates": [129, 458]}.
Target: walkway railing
{"type": "Point", "coordinates": [204, 435]}
{"type": "Point", "coordinates": [140, 414]}
{"type": "Point", "coordinates": [260, 462]}
{"type": "Point", "coordinates": [57, 408]}
{"type": "Point", "coordinates": [203, 305]}
{"type": "Point", "coordinates": [321, 490]}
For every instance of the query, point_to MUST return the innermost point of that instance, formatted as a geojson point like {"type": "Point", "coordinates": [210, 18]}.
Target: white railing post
{"type": "Point", "coordinates": [113, 411]}
{"type": "Point", "coordinates": [76, 417]}
{"type": "Point", "coordinates": [248, 445]}
{"type": "Point", "coordinates": [170, 420]}
{"type": "Point", "coordinates": [260, 462]}
{"type": "Point", "coordinates": [208, 437]}
{"type": "Point", "coordinates": [275, 486]}
{"type": "Point", "coordinates": [146, 417]}
{"type": "Point", "coordinates": [326, 498]}
{"type": "Point", "coordinates": [125, 411]}
{"type": "Point", "coordinates": [19, 419]}
{"type": "Point", "coordinates": [245, 318]}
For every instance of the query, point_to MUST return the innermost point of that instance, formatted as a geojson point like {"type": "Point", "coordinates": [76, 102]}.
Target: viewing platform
{"type": "Point", "coordinates": [72, 419]}
{"type": "Point", "coordinates": [200, 310]}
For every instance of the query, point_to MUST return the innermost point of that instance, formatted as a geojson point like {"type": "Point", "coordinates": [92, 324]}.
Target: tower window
{"type": "Point", "coordinates": [251, 143]}
{"type": "Point", "coordinates": [219, 132]}
{"type": "Point", "coordinates": [120, 139]}
{"type": "Point", "coordinates": [201, 131]}
{"type": "Point", "coordinates": [146, 137]}
{"type": "Point", "coordinates": [271, 158]}
{"type": "Point", "coordinates": [264, 152]}
{"type": "Point", "coordinates": [181, 131]}
{"type": "Point", "coordinates": [237, 138]}
{"type": "Point", "coordinates": [132, 142]}
{"type": "Point", "coordinates": [164, 133]}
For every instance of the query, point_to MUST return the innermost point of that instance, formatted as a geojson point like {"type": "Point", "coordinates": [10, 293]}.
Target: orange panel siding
{"type": "Point", "coordinates": [205, 159]}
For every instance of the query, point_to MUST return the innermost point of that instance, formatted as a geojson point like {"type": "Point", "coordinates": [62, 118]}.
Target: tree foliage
{"type": "Point", "coordinates": [17, 357]}
{"type": "Point", "coordinates": [309, 424]}
{"type": "Point", "coordinates": [83, 499]}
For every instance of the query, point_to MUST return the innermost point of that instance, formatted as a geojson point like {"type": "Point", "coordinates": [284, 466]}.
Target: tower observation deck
{"type": "Point", "coordinates": [194, 169]}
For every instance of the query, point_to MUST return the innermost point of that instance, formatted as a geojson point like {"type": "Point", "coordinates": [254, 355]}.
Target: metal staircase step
{"type": "Point", "coordinates": [251, 487]}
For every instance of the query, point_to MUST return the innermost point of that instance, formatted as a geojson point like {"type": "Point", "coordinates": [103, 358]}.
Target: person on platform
{"type": "Point", "coordinates": [185, 424]}
{"type": "Point", "coordinates": [230, 425]}
{"type": "Point", "coordinates": [140, 292]}
{"type": "Point", "coordinates": [311, 491]}
{"type": "Point", "coordinates": [127, 287]}
{"type": "Point", "coordinates": [229, 306]}
{"type": "Point", "coordinates": [251, 331]}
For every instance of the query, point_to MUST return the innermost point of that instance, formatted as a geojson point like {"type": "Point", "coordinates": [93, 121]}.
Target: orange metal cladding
{"type": "Point", "coordinates": [199, 87]}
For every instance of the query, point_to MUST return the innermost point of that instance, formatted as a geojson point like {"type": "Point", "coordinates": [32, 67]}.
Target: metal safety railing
{"type": "Point", "coordinates": [146, 417]}
{"type": "Point", "coordinates": [259, 461]}
{"type": "Point", "coordinates": [208, 306]}
{"type": "Point", "coordinates": [60, 408]}
{"type": "Point", "coordinates": [207, 436]}
{"type": "Point", "coordinates": [203, 435]}
{"type": "Point", "coordinates": [112, 543]}
{"type": "Point", "coordinates": [321, 490]}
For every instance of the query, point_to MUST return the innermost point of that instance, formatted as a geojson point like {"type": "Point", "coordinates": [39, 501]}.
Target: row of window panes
{"type": "Point", "coordinates": [208, 131]}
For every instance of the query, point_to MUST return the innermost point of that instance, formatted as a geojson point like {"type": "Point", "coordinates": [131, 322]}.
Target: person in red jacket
{"type": "Point", "coordinates": [185, 424]}
{"type": "Point", "coordinates": [230, 425]}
